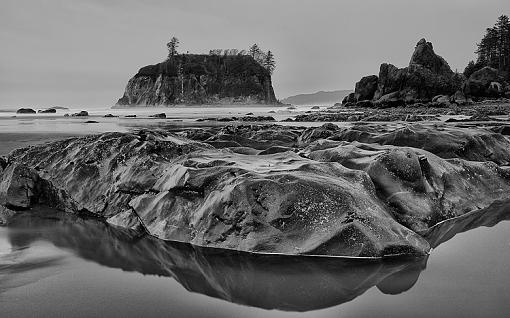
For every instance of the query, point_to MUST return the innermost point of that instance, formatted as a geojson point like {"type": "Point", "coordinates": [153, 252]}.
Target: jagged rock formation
{"type": "Point", "coordinates": [425, 56]}
{"type": "Point", "coordinates": [426, 76]}
{"type": "Point", "coordinates": [200, 79]}
{"type": "Point", "coordinates": [288, 190]}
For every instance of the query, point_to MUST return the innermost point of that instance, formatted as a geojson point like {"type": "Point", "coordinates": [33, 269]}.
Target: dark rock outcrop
{"type": "Point", "coordinates": [82, 113]}
{"type": "Point", "coordinates": [200, 79]}
{"type": "Point", "coordinates": [25, 111]}
{"type": "Point", "coordinates": [187, 191]}
{"type": "Point", "coordinates": [425, 56]}
{"type": "Point", "coordinates": [366, 88]}
{"type": "Point", "coordinates": [252, 192]}
{"type": "Point", "coordinates": [349, 99]}
{"type": "Point", "coordinates": [426, 76]}
{"type": "Point", "coordinates": [160, 115]}
{"type": "Point", "coordinates": [486, 82]}
{"type": "Point", "coordinates": [47, 111]}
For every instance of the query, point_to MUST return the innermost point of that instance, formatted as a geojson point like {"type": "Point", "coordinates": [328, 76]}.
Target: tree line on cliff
{"type": "Point", "coordinates": [266, 59]}
{"type": "Point", "coordinates": [494, 49]}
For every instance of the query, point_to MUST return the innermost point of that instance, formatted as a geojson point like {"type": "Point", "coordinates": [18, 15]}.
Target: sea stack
{"type": "Point", "coordinates": [200, 79]}
{"type": "Point", "coordinates": [428, 75]}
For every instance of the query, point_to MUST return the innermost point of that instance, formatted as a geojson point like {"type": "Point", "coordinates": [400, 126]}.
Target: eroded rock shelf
{"type": "Point", "coordinates": [365, 191]}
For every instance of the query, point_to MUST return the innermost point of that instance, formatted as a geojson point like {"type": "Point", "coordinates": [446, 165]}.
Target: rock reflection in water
{"type": "Point", "coordinates": [291, 283]}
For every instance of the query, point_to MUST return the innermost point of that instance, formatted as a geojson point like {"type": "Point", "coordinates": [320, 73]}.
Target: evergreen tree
{"type": "Point", "coordinates": [254, 51]}
{"type": "Point", "coordinates": [172, 47]}
{"type": "Point", "coordinates": [257, 54]}
{"type": "Point", "coordinates": [503, 33]}
{"type": "Point", "coordinates": [470, 69]}
{"type": "Point", "coordinates": [494, 48]}
{"type": "Point", "coordinates": [269, 62]}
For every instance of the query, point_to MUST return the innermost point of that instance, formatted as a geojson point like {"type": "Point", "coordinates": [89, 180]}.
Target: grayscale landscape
{"type": "Point", "coordinates": [248, 159]}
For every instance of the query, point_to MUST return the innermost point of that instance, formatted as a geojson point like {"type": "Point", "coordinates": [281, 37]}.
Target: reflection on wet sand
{"type": "Point", "coordinates": [291, 283]}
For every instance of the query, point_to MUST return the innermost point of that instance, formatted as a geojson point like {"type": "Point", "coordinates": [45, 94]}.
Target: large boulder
{"type": "Point", "coordinates": [365, 88]}
{"type": "Point", "coordinates": [332, 198]}
{"type": "Point", "coordinates": [393, 99]}
{"type": "Point", "coordinates": [349, 99]}
{"type": "Point", "coordinates": [390, 80]}
{"type": "Point", "coordinates": [82, 113]}
{"type": "Point", "coordinates": [486, 82]}
{"type": "Point", "coordinates": [47, 111]}
{"type": "Point", "coordinates": [25, 111]}
{"type": "Point", "coordinates": [177, 189]}
{"type": "Point", "coordinates": [459, 98]}
{"type": "Point", "coordinates": [17, 187]}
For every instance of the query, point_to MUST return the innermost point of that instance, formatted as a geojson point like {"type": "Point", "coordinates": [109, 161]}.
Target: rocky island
{"type": "Point", "coordinates": [428, 79]}
{"type": "Point", "coordinates": [197, 79]}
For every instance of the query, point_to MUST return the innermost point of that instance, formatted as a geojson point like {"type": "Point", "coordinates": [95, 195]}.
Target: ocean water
{"type": "Point", "coordinates": [53, 265]}
{"type": "Point", "coordinates": [176, 116]}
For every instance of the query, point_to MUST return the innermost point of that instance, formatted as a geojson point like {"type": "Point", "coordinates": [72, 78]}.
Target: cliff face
{"type": "Point", "coordinates": [201, 79]}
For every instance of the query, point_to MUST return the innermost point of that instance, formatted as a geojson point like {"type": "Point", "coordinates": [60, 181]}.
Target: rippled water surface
{"type": "Point", "coordinates": [55, 265]}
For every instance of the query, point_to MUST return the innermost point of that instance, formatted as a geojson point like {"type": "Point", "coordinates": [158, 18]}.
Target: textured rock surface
{"type": "Point", "coordinates": [254, 192]}
{"type": "Point", "coordinates": [486, 82]}
{"type": "Point", "coordinates": [425, 56]}
{"type": "Point", "coordinates": [474, 144]}
{"type": "Point", "coordinates": [421, 188]}
{"type": "Point", "coordinates": [200, 79]}
{"type": "Point", "coordinates": [365, 88]}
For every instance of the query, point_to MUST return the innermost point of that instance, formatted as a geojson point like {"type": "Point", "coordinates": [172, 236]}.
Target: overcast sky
{"type": "Point", "coordinates": [82, 52]}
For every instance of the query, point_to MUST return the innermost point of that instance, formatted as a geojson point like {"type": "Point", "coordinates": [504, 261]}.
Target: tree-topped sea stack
{"type": "Point", "coordinates": [429, 79]}
{"type": "Point", "coordinates": [427, 76]}
{"type": "Point", "coordinates": [221, 77]}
